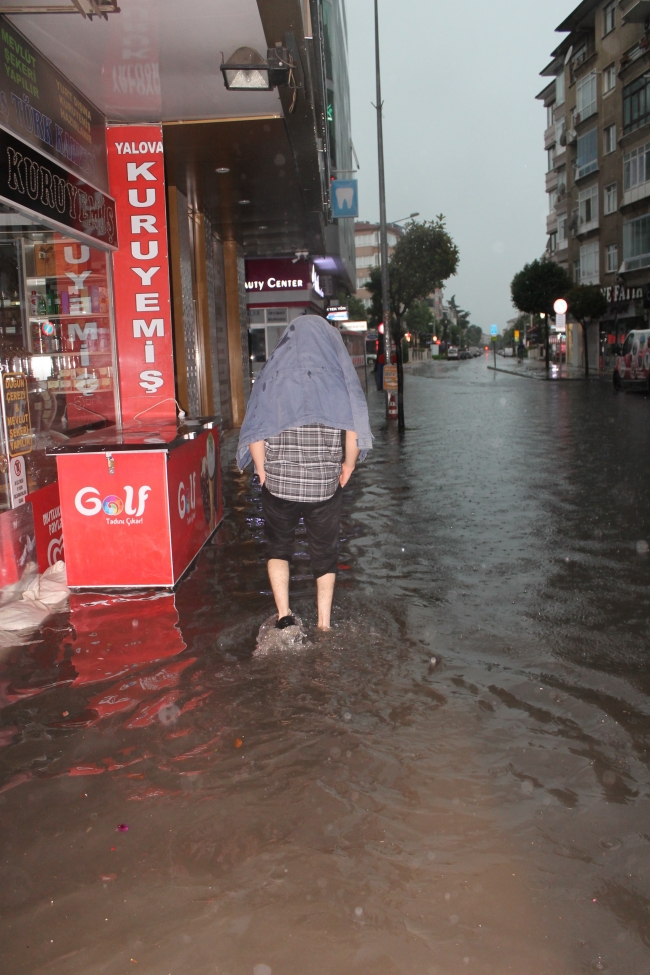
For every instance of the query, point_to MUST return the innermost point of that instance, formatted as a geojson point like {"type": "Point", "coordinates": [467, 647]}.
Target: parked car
{"type": "Point", "coordinates": [632, 367]}
{"type": "Point", "coordinates": [464, 354]}
{"type": "Point", "coordinates": [452, 352]}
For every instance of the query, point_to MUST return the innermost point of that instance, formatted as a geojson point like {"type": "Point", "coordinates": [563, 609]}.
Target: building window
{"type": "Point", "coordinates": [552, 200]}
{"type": "Point", "coordinates": [560, 129]}
{"type": "Point", "coordinates": [559, 89]}
{"type": "Point", "coordinates": [587, 154]}
{"type": "Point", "coordinates": [586, 97]}
{"type": "Point", "coordinates": [609, 17]}
{"type": "Point", "coordinates": [588, 209]}
{"type": "Point", "coordinates": [612, 258]}
{"type": "Point", "coordinates": [636, 243]}
{"type": "Point", "coordinates": [562, 222]}
{"type": "Point", "coordinates": [576, 271]}
{"type": "Point", "coordinates": [550, 158]}
{"type": "Point", "coordinates": [367, 240]}
{"type": "Point", "coordinates": [610, 139]}
{"type": "Point", "coordinates": [636, 167]}
{"type": "Point", "coordinates": [549, 114]}
{"type": "Point", "coordinates": [552, 242]}
{"type": "Point", "coordinates": [636, 104]}
{"type": "Point", "coordinates": [589, 264]}
{"type": "Point", "coordinates": [610, 198]}
{"type": "Point", "coordinates": [609, 79]}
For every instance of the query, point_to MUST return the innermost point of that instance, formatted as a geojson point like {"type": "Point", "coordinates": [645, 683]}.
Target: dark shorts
{"type": "Point", "coordinates": [322, 520]}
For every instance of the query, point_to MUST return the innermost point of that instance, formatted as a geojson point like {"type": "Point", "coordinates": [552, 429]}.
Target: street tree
{"type": "Point", "coordinates": [357, 311]}
{"type": "Point", "coordinates": [423, 258]}
{"type": "Point", "coordinates": [587, 304]}
{"type": "Point", "coordinates": [419, 319]}
{"type": "Point", "coordinates": [535, 288]}
{"type": "Point", "coordinates": [474, 335]}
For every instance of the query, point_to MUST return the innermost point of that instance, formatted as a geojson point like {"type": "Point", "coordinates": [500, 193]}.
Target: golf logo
{"type": "Point", "coordinates": [88, 502]}
{"type": "Point", "coordinates": [187, 498]}
{"type": "Point", "coordinates": [112, 505]}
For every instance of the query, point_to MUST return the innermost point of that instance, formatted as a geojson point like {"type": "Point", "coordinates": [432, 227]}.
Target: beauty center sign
{"type": "Point", "coordinates": [281, 274]}
{"type": "Point", "coordinates": [141, 273]}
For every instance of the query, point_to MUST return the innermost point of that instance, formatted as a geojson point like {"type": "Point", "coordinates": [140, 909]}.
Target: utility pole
{"type": "Point", "coordinates": [383, 230]}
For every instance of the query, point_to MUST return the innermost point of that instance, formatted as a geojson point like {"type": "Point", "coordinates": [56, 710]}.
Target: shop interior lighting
{"type": "Point", "coordinates": [247, 70]}
{"type": "Point", "coordinates": [244, 203]}
{"type": "Point", "coordinates": [222, 170]}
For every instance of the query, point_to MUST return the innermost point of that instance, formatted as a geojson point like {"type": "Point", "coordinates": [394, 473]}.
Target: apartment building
{"type": "Point", "coordinates": [597, 144]}
{"type": "Point", "coordinates": [366, 241]}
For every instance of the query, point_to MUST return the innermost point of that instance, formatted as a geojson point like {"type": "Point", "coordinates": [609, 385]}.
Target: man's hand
{"type": "Point", "coordinates": [258, 453]}
{"type": "Point", "coordinates": [345, 475]}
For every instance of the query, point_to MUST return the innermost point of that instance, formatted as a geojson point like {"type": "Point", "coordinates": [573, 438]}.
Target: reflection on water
{"type": "Point", "coordinates": [346, 807]}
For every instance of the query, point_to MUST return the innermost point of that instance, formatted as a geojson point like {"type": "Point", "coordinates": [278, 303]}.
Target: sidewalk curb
{"type": "Point", "coordinates": [526, 374]}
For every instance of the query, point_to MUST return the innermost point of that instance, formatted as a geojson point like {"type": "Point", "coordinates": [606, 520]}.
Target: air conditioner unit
{"type": "Point", "coordinates": [571, 137]}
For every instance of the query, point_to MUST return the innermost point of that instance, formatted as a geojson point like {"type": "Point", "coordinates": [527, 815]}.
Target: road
{"type": "Point", "coordinates": [349, 808]}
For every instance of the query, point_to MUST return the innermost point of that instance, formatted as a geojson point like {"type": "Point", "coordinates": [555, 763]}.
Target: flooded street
{"type": "Point", "coordinates": [172, 803]}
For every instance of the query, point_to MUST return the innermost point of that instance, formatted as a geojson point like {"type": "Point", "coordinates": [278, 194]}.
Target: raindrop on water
{"type": "Point", "coordinates": [169, 714]}
{"type": "Point", "coordinates": [642, 547]}
{"type": "Point", "coordinates": [347, 716]}
{"type": "Point", "coordinates": [358, 911]}
{"type": "Point", "coordinates": [262, 970]}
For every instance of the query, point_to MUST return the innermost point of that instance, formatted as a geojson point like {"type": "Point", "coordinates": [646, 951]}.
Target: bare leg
{"type": "Point", "coordinates": [279, 577]}
{"type": "Point", "coordinates": [325, 594]}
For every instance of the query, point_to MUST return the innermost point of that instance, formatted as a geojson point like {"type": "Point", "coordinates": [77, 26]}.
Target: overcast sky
{"type": "Point", "coordinates": [462, 130]}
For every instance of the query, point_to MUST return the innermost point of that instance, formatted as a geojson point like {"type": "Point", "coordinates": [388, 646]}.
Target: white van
{"type": "Point", "coordinates": [632, 368]}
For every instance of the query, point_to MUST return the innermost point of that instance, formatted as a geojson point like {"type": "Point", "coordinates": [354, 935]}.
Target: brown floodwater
{"type": "Point", "coordinates": [172, 803]}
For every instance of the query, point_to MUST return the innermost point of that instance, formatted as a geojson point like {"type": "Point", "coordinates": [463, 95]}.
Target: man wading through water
{"type": "Point", "coordinates": [305, 428]}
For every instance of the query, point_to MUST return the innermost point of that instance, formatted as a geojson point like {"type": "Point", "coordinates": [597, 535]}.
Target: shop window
{"type": "Point", "coordinates": [56, 346]}
{"type": "Point", "coordinates": [257, 344]}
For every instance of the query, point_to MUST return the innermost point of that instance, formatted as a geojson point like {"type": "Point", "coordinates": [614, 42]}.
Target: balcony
{"type": "Point", "coordinates": [549, 136]}
{"type": "Point", "coordinates": [633, 53]}
{"type": "Point", "coordinates": [639, 192]}
{"type": "Point", "coordinates": [638, 13]}
{"type": "Point", "coordinates": [551, 180]}
{"type": "Point", "coordinates": [551, 223]}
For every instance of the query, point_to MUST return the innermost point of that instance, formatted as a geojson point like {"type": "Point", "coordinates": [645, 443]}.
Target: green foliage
{"type": "Point", "coordinates": [419, 318]}
{"type": "Point", "coordinates": [537, 285]}
{"type": "Point", "coordinates": [356, 309]}
{"type": "Point", "coordinates": [423, 258]}
{"type": "Point", "coordinates": [586, 303]}
{"type": "Point", "coordinates": [474, 335]}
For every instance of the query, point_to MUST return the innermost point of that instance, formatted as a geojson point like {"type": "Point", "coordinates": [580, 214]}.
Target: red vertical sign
{"type": "Point", "coordinates": [141, 273]}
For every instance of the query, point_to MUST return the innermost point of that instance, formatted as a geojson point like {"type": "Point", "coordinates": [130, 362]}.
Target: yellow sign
{"type": "Point", "coordinates": [390, 378]}
{"type": "Point", "coordinates": [516, 335]}
{"type": "Point", "coordinates": [17, 419]}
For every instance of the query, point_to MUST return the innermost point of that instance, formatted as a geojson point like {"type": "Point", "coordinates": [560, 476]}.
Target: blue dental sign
{"type": "Point", "coordinates": [494, 330]}
{"type": "Point", "coordinates": [345, 198]}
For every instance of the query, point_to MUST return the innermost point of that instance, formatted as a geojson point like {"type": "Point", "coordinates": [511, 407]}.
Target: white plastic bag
{"type": "Point", "coordinates": [51, 588]}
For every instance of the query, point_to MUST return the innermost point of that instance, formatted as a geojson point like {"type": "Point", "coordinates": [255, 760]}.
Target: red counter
{"type": "Point", "coordinates": [137, 506]}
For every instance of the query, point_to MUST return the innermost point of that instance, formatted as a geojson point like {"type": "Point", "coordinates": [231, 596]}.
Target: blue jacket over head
{"type": "Point", "coordinates": [309, 378]}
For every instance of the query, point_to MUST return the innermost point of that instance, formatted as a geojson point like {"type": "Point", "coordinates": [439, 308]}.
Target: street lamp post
{"type": "Point", "coordinates": [383, 233]}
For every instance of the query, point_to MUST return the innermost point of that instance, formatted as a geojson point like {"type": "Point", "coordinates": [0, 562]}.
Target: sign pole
{"type": "Point", "coordinates": [383, 230]}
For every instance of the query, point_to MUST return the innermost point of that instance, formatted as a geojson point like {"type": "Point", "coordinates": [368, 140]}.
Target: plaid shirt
{"type": "Point", "coordinates": [304, 463]}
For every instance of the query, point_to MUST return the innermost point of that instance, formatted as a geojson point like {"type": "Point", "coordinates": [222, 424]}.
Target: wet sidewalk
{"type": "Point", "coordinates": [536, 369]}
{"type": "Point", "coordinates": [171, 802]}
